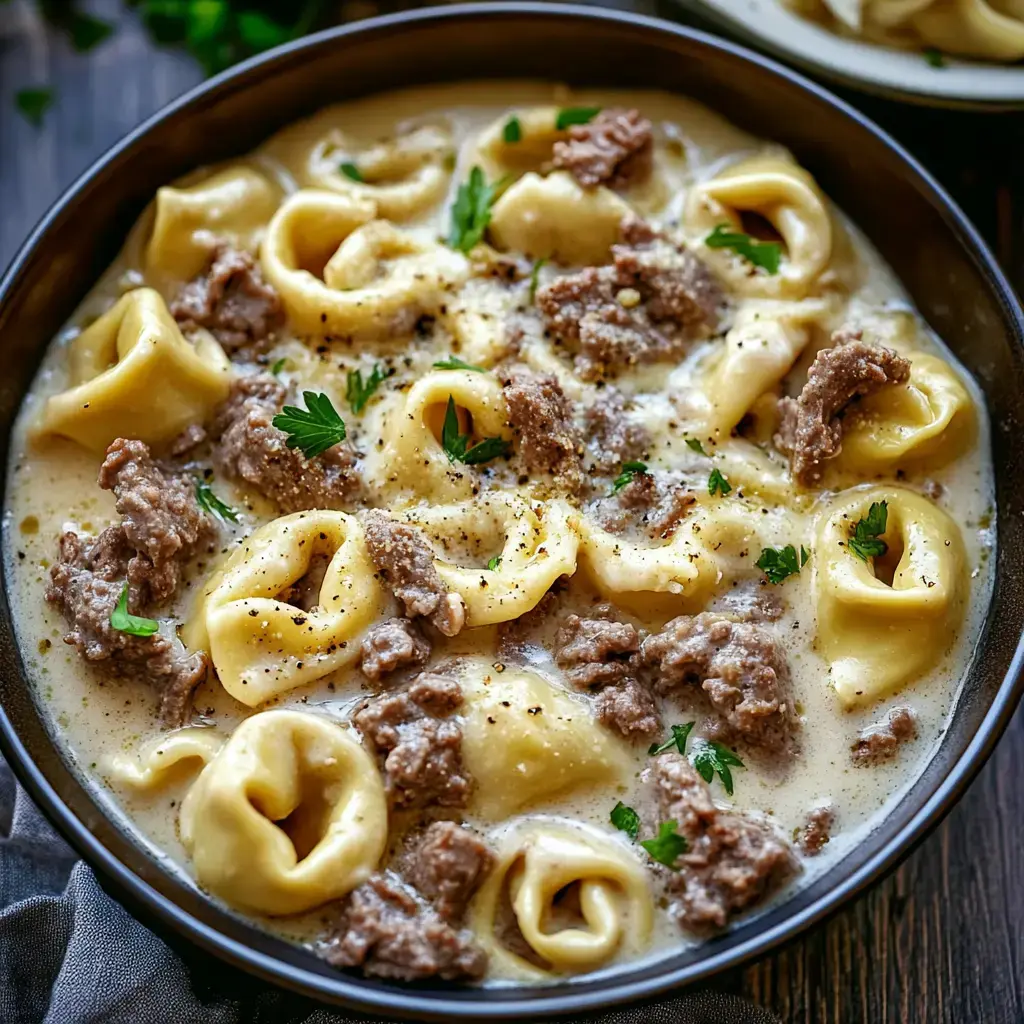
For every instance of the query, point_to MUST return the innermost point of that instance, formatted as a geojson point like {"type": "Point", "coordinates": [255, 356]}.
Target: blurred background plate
{"type": "Point", "coordinates": [896, 74]}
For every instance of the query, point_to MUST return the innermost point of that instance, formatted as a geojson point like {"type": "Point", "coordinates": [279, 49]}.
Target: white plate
{"type": "Point", "coordinates": [878, 69]}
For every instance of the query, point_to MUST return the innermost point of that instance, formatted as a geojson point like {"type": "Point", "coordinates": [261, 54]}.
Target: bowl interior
{"type": "Point", "coordinates": [937, 256]}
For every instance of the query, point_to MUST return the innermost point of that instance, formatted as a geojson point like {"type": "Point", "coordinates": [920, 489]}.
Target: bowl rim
{"type": "Point", "coordinates": [341, 989]}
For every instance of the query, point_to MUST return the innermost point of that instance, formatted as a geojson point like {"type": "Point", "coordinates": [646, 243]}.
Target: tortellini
{"type": "Point", "coordinates": [785, 195]}
{"type": "Point", "coordinates": [531, 150]}
{"type": "Point", "coordinates": [342, 272]}
{"type": "Point", "coordinates": [413, 457]}
{"type": "Point", "coordinates": [538, 544]}
{"type": "Point", "coordinates": [290, 814]}
{"type": "Point", "coordinates": [526, 743]}
{"type": "Point", "coordinates": [989, 29]}
{"type": "Point", "coordinates": [543, 866]}
{"type": "Point", "coordinates": [554, 218]}
{"type": "Point", "coordinates": [234, 205]}
{"type": "Point", "coordinates": [262, 646]}
{"type": "Point", "coordinates": [158, 760]}
{"type": "Point", "coordinates": [132, 353]}
{"type": "Point", "coordinates": [877, 635]}
{"type": "Point", "coordinates": [928, 420]}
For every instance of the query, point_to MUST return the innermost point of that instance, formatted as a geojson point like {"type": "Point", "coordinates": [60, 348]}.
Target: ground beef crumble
{"type": "Point", "coordinates": [613, 437]}
{"type": "Point", "coordinates": [881, 741]}
{"type": "Point", "coordinates": [731, 861]}
{"type": "Point", "coordinates": [816, 831]}
{"type": "Point", "coordinates": [231, 300]}
{"type": "Point", "coordinates": [614, 148]}
{"type": "Point", "coordinates": [811, 426]}
{"type": "Point", "coordinates": [646, 306]}
{"type": "Point", "coordinates": [393, 644]}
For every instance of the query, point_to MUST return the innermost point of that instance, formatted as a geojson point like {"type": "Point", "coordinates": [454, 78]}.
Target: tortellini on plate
{"type": "Point", "coordinates": [290, 814]}
{"type": "Point", "coordinates": [989, 29]}
{"type": "Point", "coordinates": [260, 645]}
{"type": "Point", "coordinates": [120, 362]}
{"type": "Point", "coordinates": [526, 743]}
{"type": "Point", "coordinates": [884, 621]}
{"type": "Point", "coordinates": [577, 898]}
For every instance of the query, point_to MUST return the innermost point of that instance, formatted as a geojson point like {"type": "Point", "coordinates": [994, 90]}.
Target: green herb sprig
{"type": "Point", "coordinates": [677, 739]}
{"type": "Point", "coordinates": [134, 625]}
{"type": "Point", "coordinates": [314, 429]}
{"type": "Point", "coordinates": [211, 503]}
{"type": "Point", "coordinates": [709, 757]}
{"type": "Point", "coordinates": [512, 131]}
{"type": "Point", "coordinates": [535, 277]}
{"type": "Point", "coordinates": [629, 470]}
{"type": "Point", "coordinates": [494, 562]}
{"type": "Point", "coordinates": [471, 211]}
{"type": "Point", "coordinates": [667, 846]}
{"type": "Point", "coordinates": [866, 542]}
{"type": "Point", "coordinates": [717, 482]}
{"type": "Point", "coordinates": [357, 391]}
{"type": "Point", "coordinates": [455, 363]}
{"type": "Point", "coordinates": [695, 445]}
{"type": "Point", "coordinates": [569, 116]}
{"type": "Point", "coordinates": [766, 255]}
{"type": "Point", "coordinates": [351, 172]}
{"type": "Point", "coordinates": [456, 444]}
{"type": "Point", "coordinates": [33, 104]}
{"type": "Point", "coordinates": [625, 819]}
{"type": "Point", "coordinates": [778, 564]}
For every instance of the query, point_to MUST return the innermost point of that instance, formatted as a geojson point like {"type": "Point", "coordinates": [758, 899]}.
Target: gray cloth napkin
{"type": "Point", "coordinates": [69, 954]}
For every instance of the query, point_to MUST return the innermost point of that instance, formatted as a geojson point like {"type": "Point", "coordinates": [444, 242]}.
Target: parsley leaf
{"type": "Point", "coordinates": [695, 446]}
{"type": "Point", "coordinates": [471, 211]}
{"type": "Point", "coordinates": [357, 394]}
{"type": "Point", "coordinates": [87, 32]}
{"type": "Point", "coordinates": [33, 104]}
{"type": "Point", "coordinates": [513, 130]}
{"type": "Point", "coordinates": [709, 757]}
{"type": "Point", "coordinates": [717, 482]}
{"type": "Point", "coordinates": [455, 363]}
{"type": "Point", "coordinates": [680, 734]}
{"type": "Point", "coordinates": [779, 564]}
{"type": "Point", "coordinates": [625, 819]}
{"type": "Point", "coordinates": [535, 277]}
{"type": "Point", "coordinates": [935, 57]}
{"type": "Point", "coordinates": [278, 365]}
{"type": "Point", "coordinates": [865, 542]}
{"type": "Point", "coordinates": [575, 115]}
{"type": "Point", "coordinates": [455, 443]}
{"type": "Point", "coordinates": [629, 470]}
{"type": "Point", "coordinates": [667, 846]}
{"type": "Point", "coordinates": [314, 429]}
{"type": "Point", "coordinates": [493, 563]}
{"type": "Point", "coordinates": [209, 501]}
{"type": "Point", "coordinates": [124, 622]}
{"type": "Point", "coordinates": [350, 170]}
{"type": "Point", "coordinates": [762, 254]}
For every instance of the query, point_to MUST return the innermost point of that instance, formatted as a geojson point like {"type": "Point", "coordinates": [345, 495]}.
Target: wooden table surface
{"type": "Point", "coordinates": [940, 940]}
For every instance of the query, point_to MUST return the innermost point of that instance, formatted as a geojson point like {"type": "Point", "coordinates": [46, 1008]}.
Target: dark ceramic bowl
{"type": "Point", "coordinates": [934, 250]}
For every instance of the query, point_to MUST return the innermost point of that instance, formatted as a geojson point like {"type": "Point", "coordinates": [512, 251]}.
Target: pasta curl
{"type": "Point", "coordinates": [160, 759]}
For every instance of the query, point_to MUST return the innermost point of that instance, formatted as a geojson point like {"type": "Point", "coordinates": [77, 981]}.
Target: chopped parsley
{"type": "Point", "coordinates": [124, 622]}
{"type": "Point", "coordinates": [455, 363]}
{"type": "Point", "coordinates": [535, 278]}
{"type": "Point", "coordinates": [278, 365]}
{"type": "Point", "coordinates": [709, 757]}
{"type": "Point", "coordinates": [493, 563]}
{"type": "Point", "coordinates": [779, 564]}
{"type": "Point", "coordinates": [350, 170]}
{"type": "Point", "coordinates": [314, 429]}
{"type": "Point", "coordinates": [358, 393]}
{"type": "Point", "coordinates": [765, 255]}
{"type": "Point", "coordinates": [935, 57]}
{"type": "Point", "coordinates": [455, 444]}
{"type": "Point", "coordinates": [695, 446]}
{"type": "Point", "coordinates": [471, 211]}
{"type": "Point", "coordinates": [866, 540]}
{"type": "Point", "coordinates": [625, 819]}
{"type": "Point", "coordinates": [667, 846]}
{"type": "Point", "coordinates": [680, 734]}
{"type": "Point", "coordinates": [212, 504]}
{"type": "Point", "coordinates": [629, 470]}
{"type": "Point", "coordinates": [513, 130]}
{"type": "Point", "coordinates": [575, 115]}
{"type": "Point", "coordinates": [33, 104]}
{"type": "Point", "coordinates": [717, 482]}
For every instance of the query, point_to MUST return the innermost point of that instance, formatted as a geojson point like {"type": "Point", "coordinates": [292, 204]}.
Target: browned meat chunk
{"type": "Point", "coordinates": [231, 300]}
{"type": "Point", "coordinates": [614, 148]}
{"type": "Point", "coordinates": [421, 741]}
{"type": "Point", "coordinates": [741, 668]}
{"type": "Point", "coordinates": [595, 652]}
{"type": "Point", "coordinates": [881, 741]}
{"type": "Point", "coordinates": [396, 643]}
{"type": "Point", "coordinates": [731, 861]}
{"type": "Point", "coordinates": [751, 601]}
{"type": "Point", "coordinates": [612, 436]}
{"type": "Point", "coordinates": [161, 519]}
{"type": "Point", "coordinates": [645, 307]}
{"type": "Point", "coordinates": [447, 865]}
{"type": "Point", "coordinates": [406, 564]}
{"type": "Point", "coordinates": [86, 583]}
{"type": "Point", "coordinates": [251, 449]}
{"type": "Point", "coordinates": [390, 931]}
{"type": "Point", "coordinates": [655, 507]}
{"type": "Point", "coordinates": [816, 830]}
{"type": "Point", "coordinates": [628, 707]}
{"type": "Point", "coordinates": [811, 427]}
{"type": "Point", "coordinates": [541, 416]}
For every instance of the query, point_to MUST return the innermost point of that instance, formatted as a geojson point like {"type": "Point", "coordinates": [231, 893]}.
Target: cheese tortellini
{"type": "Point", "coordinates": [883, 621]}
{"type": "Point", "coordinates": [159, 760]}
{"type": "Point", "coordinates": [290, 814]}
{"type": "Point", "coordinates": [260, 645]}
{"type": "Point", "coordinates": [530, 149]}
{"type": "Point", "coordinates": [544, 865]}
{"type": "Point", "coordinates": [119, 362]}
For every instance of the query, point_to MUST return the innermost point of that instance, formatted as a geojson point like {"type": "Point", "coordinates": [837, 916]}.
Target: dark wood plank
{"type": "Point", "coordinates": [942, 940]}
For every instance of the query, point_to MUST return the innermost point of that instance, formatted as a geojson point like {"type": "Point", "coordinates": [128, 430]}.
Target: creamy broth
{"type": "Point", "coordinates": [823, 285]}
